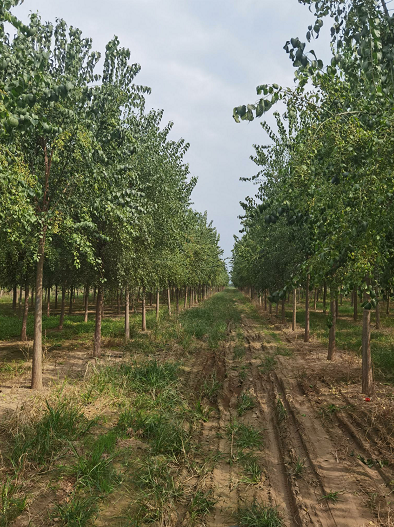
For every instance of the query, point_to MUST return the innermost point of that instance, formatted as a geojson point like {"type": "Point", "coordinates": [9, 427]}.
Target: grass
{"type": "Point", "coordinates": [38, 443]}
{"type": "Point", "coordinates": [211, 388]}
{"type": "Point", "coordinates": [299, 467]}
{"type": "Point", "coordinates": [281, 410]}
{"type": "Point", "coordinates": [267, 364]}
{"type": "Point", "coordinates": [202, 503]}
{"type": "Point", "coordinates": [245, 402]}
{"type": "Point", "coordinates": [77, 512]}
{"type": "Point", "coordinates": [333, 497]}
{"type": "Point", "coordinates": [259, 516]}
{"type": "Point", "coordinates": [251, 468]}
{"type": "Point", "coordinates": [244, 436]}
{"type": "Point", "coordinates": [11, 504]}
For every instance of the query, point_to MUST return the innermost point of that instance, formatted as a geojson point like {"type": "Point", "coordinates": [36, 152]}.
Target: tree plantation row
{"type": "Point", "coordinates": [323, 216]}
{"type": "Point", "coordinates": [94, 193]}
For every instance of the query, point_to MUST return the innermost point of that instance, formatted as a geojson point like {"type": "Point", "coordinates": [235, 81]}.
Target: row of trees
{"type": "Point", "coordinates": [323, 215]}
{"type": "Point", "coordinates": [94, 193]}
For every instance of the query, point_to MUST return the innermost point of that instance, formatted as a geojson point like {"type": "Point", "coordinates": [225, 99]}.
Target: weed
{"type": "Point", "coordinates": [153, 477]}
{"type": "Point", "coordinates": [201, 504]}
{"type": "Point", "coordinates": [267, 364]}
{"type": "Point", "coordinates": [331, 496]}
{"type": "Point", "coordinates": [243, 373]}
{"type": "Point", "coordinates": [165, 433]}
{"type": "Point", "coordinates": [38, 443]}
{"type": "Point", "coordinates": [244, 436]}
{"type": "Point", "coordinates": [211, 388]}
{"type": "Point", "coordinates": [202, 412]}
{"type": "Point", "coordinates": [245, 402]}
{"type": "Point", "coordinates": [252, 469]}
{"type": "Point", "coordinates": [299, 466]}
{"type": "Point", "coordinates": [328, 410]}
{"type": "Point", "coordinates": [259, 516]}
{"type": "Point", "coordinates": [239, 351]}
{"type": "Point", "coordinates": [281, 410]}
{"type": "Point", "coordinates": [11, 505]}
{"type": "Point", "coordinates": [78, 511]}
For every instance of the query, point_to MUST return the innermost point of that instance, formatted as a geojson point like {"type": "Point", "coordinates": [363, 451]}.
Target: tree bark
{"type": "Point", "coordinates": [86, 299]}
{"type": "Point", "coordinates": [294, 319]}
{"type": "Point", "coordinates": [56, 294]}
{"type": "Point", "coordinates": [355, 302]}
{"type": "Point", "coordinates": [14, 297]}
{"type": "Point", "coordinates": [331, 335]}
{"type": "Point", "coordinates": [177, 300]}
{"type": "Point", "coordinates": [143, 310]}
{"type": "Point", "coordinates": [315, 301]}
{"type": "Point", "coordinates": [49, 302]}
{"type": "Point", "coordinates": [25, 314]}
{"type": "Point", "coordinates": [367, 375]}
{"type": "Point", "coordinates": [388, 302]}
{"type": "Point", "coordinates": [99, 315]}
{"type": "Point", "coordinates": [169, 300]}
{"type": "Point", "coordinates": [70, 309]}
{"type": "Point", "coordinates": [377, 310]}
{"type": "Point", "coordinates": [185, 301]}
{"type": "Point", "coordinates": [62, 307]}
{"type": "Point", "coordinates": [127, 314]}
{"type": "Point", "coordinates": [118, 300]}
{"type": "Point", "coordinates": [36, 380]}
{"type": "Point", "coordinates": [325, 298]}
{"type": "Point", "coordinates": [306, 336]}
{"type": "Point", "coordinates": [284, 310]}
{"type": "Point", "coordinates": [157, 304]}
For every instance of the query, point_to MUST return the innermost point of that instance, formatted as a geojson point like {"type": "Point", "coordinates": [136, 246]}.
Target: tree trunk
{"type": "Point", "coordinates": [70, 309]}
{"type": "Point", "coordinates": [185, 301]}
{"type": "Point", "coordinates": [265, 300]}
{"type": "Point", "coordinates": [367, 376]}
{"type": "Point", "coordinates": [25, 313]}
{"type": "Point", "coordinates": [306, 336]}
{"type": "Point", "coordinates": [36, 380]}
{"type": "Point", "coordinates": [177, 300]}
{"type": "Point", "coordinates": [388, 302]}
{"type": "Point", "coordinates": [49, 302]}
{"type": "Point", "coordinates": [315, 301]}
{"type": "Point", "coordinates": [143, 310]}
{"type": "Point", "coordinates": [62, 307]}
{"type": "Point", "coordinates": [99, 317]}
{"type": "Point", "coordinates": [337, 307]}
{"type": "Point", "coordinates": [294, 320]}
{"type": "Point", "coordinates": [85, 318]}
{"type": "Point", "coordinates": [157, 304]}
{"type": "Point", "coordinates": [331, 335]}
{"type": "Point", "coordinates": [169, 300]}
{"type": "Point", "coordinates": [284, 310]}
{"type": "Point", "coordinates": [14, 297]}
{"type": "Point", "coordinates": [56, 293]}
{"type": "Point", "coordinates": [118, 301]}
{"type": "Point", "coordinates": [355, 302]}
{"type": "Point", "coordinates": [377, 311]}
{"type": "Point", "coordinates": [127, 314]}
{"type": "Point", "coordinates": [325, 298]}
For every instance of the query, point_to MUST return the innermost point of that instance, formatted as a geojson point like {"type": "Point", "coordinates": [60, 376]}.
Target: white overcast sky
{"type": "Point", "coordinates": [201, 58]}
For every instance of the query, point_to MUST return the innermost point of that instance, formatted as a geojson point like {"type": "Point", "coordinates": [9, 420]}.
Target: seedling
{"type": "Point", "coordinates": [331, 496]}
{"type": "Point", "coordinates": [245, 402]}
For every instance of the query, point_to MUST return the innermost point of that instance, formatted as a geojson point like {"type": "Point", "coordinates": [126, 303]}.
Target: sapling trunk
{"type": "Point", "coordinates": [367, 374]}
{"type": "Point", "coordinates": [377, 310]}
{"type": "Point", "coordinates": [99, 316]}
{"type": "Point", "coordinates": [49, 302]}
{"type": "Point", "coordinates": [25, 313]}
{"type": "Point", "coordinates": [283, 310]}
{"type": "Point", "coordinates": [62, 307]}
{"type": "Point", "coordinates": [315, 301]}
{"type": "Point", "coordinates": [157, 304]}
{"type": "Point", "coordinates": [14, 297]}
{"type": "Point", "coordinates": [36, 381]}
{"type": "Point", "coordinates": [56, 294]}
{"type": "Point", "coordinates": [325, 298]}
{"type": "Point", "coordinates": [185, 301]}
{"type": "Point", "coordinates": [177, 300]}
{"type": "Point", "coordinates": [294, 319]}
{"type": "Point", "coordinates": [388, 302]}
{"type": "Point", "coordinates": [306, 336]}
{"type": "Point", "coordinates": [70, 307]}
{"type": "Point", "coordinates": [127, 314]}
{"type": "Point", "coordinates": [169, 301]}
{"type": "Point", "coordinates": [143, 309]}
{"type": "Point", "coordinates": [331, 335]}
{"type": "Point", "coordinates": [355, 306]}
{"type": "Point", "coordinates": [86, 315]}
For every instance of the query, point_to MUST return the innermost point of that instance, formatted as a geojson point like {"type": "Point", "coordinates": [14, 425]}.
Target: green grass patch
{"type": "Point", "coordinates": [259, 516]}
{"type": "Point", "coordinates": [244, 436]}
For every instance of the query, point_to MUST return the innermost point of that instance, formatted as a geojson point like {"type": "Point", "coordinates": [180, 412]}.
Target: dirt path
{"type": "Point", "coordinates": [313, 464]}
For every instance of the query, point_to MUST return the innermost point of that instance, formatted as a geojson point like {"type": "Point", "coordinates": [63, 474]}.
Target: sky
{"type": "Point", "coordinates": [201, 58]}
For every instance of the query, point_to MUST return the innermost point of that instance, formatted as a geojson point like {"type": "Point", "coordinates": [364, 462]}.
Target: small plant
{"type": "Point", "coordinates": [77, 512]}
{"type": "Point", "coordinates": [201, 504]}
{"type": "Point", "coordinates": [259, 516]}
{"type": "Point", "coordinates": [245, 402]}
{"type": "Point", "coordinates": [11, 505]}
{"type": "Point", "coordinates": [211, 388]}
{"type": "Point", "coordinates": [244, 436]}
{"type": "Point", "coordinates": [267, 364]}
{"type": "Point", "coordinates": [331, 496]}
{"type": "Point", "coordinates": [328, 410]}
{"type": "Point", "coordinates": [281, 410]}
{"type": "Point", "coordinates": [239, 351]}
{"type": "Point", "coordinates": [252, 469]}
{"type": "Point", "coordinates": [202, 412]}
{"type": "Point", "coordinates": [299, 467]}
